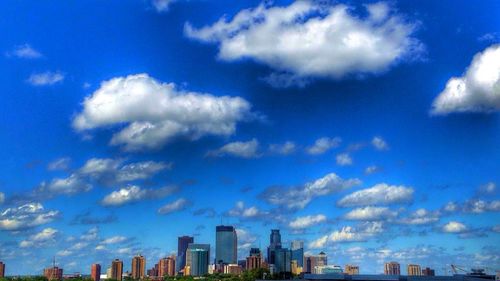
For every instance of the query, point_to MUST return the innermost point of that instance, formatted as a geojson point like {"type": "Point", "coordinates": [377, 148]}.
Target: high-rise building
{"type": "Point", "coordinates": [226, 243]}
{"type": "Point", "coordinates": [392, 268]}
{"type": "Point", "coordinates": [138, 267]}
{"type": "Point", "coordinates": [428, 272]}
{"type": "Point", "coordinates": [53, 273]}
{"type": "Point", "coordinates": [282, 260]}
{"type": "Point", "coordinates": [197, 258]}
{"type": "Point", "coordinates": [166, 266]}
{"type": "Point", "coordinates": [274, 244]}
{"type": "Point", "coordinates": [414, 270]}
{"type": "Point", "coordinates": [182, 245]}
{"type": "Point", "coordinates": [351, 269]}
{"type": "Point", "coordinates": [116, 269]}
{"type": "Point", "coordinates": [253, 262]}
{"type": "Point", "coordinates": [294, 266]}
{"type": "Point", "coordinates": [255, 252]}
{"type": "Point", "coordinates": [95, 272]}
{"type": "Point", "coordinates": [297, 249]}
{"type": "Point", "coordinates": [310, 262]}
{"type": "Point", "coordinates": [2, 269]}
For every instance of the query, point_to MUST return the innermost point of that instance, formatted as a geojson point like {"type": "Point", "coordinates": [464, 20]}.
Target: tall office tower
{"type": "Point", "coordinates": [2, 269]}
{"type": "Point", "coordinates": [197, 259]}
{"type": "Point", "coordinates": [297, 248]}
{"type": "Point", "coordinates": [226, 243]}
{"type": "Point", "coordinates": [351, 269]}
{"type": "Point", "coordinates": [282, 260]}
{"type": "Point", "coordinates": [166, 267]}
{"type": "Point", "coordinates": [392, 268]}
{"type": "Point", "coordinates": [95, 272]}
{"type": "Point", "coordinates": [274, 244]}
{"type": "Point", "coordinates": [182, 245]}
{"type": "Point", "coordinates": [322, 259]}
{"type": "Point", "coordinates": [255, 252]}
{"type": "Point", "coordinates": [253, 262]}
{"type": "Point", "coordinates": [117, 270]}
{"type": "Point", "coordinates": [138, 267]}
{"type": "Point", "coordinates": [414, 270]}
{"type": "Point", "coordinates": [428, 272]}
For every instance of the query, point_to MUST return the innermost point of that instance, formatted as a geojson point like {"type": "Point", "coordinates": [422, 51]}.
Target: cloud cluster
{"type": "Point", "coordinates": [421, 217]}
{"type": "Point", "coordinates": [380, 194]}
{"type": "Point", "coordinates": [454, 227]}
{"type": "Point", "coordinates": [477, 90]}
{"type": "Point", "coordinates": [46, 78]}
{"type": "Point", "coordinates": [285, 148]}
{"type": "Point", "coordinates": [26, 216]}
{"type": "Point", "coordinates": [379, 143]}
{"type": "Point", "coordinates": [299, 197]}
{"type": "Point", "coordinates": [247, 213]}
{"type": "Point", "coordinates": [322, 145]}
{"type": "Point", "coordinates": [40, 239]}
{"type": "Point", "coordinates": [307, 221]}
{"type": "Point", "coordinates": [24, 51]}
{"type": "Point", "coordinates": [134, 193]}
{"type": "Point", "coordinates": [347, 234]}
{"type": "Point", "coordinates": [243, 149]}
{"type": "Point", "coordinates": [370, 213]}
{"type": "Point", "coordinates": [343, 159]}
{"type": "Point", "coordinates": [175, 206]}
{"type": "Point", "coordinates": [154, 113]}
{"type": "Point", "coordinates": [308, 39]}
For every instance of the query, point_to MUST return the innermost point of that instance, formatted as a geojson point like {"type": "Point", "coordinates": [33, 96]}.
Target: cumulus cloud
{"type": "Point", "coordinates": [59, 164]}
{"type": "Point", "coordinates": [322, 145]}
{"type": "Point", "coordinates": [348, 234]}
{"type": "Point", "coordinates": [487, 189]}
{"type": "Point", "coordinates": [46, 78]}
{"type": "Point", "coordinates": [421, 217]}
{"type": "Point", "coordinates": [134, 193]}
{"type": "Point", "coordinates": [343, 159]}
{"type": "Point", "coordinates": [477, 90]}
{"type": "Point", "coordinates": [42, 238]}
{"type": "Point", "coordinates": [24, 51]}
{"type": "Point", "coordinates": [161, 5]}
{"type": "Point", "coordinates": [67, 186]}
{"type": "Point", "coordinates": [177, 205]}
{"type": "Point", "coordinates": [378, 194]}
{"type": "Point", "coordinates": [299, 197]}
{"type": "Point", "coordinates": [243, 149]}
{"type": "Point", "coordinates": [370, 213]}
{"type": "Point", "coordinates": [2, 198]}
{"type": "Point", "coordinates": [454, 227]}
{"type": "Point", "coordinates": [285, 148]}
{"type": "Point", "coordinates": [372, 169]}
{"type": "Point", "coordinates": [26, 216]}
{"type": "Point", "coordinates": [379, 143]}
{"type": "Point", "coordinates": [114, 240]}
{"type": "Point", "coordinates": [247, 213]}
{"type": "Point", "coordinates": [154, 113]}
{"type": "Point", "coordinates": [308, 39]}
{"type": "Point", "coordinates": [307, 221]}
{"type": "Point", "coordinates": [475, 206]}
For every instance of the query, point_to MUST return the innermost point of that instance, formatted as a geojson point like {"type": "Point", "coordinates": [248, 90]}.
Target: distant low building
{"type": "Point", "coordinates": [327, 269]}
{"type": "Point", "coordinates": [2, 269]}
{"type": "Point", "coordinates": [53, 273]}
{"type": "Point", "coordinates": [414, 270]}
{"type": "Point", "coordinates": [95, 272]}
{"type": "Point", "coordinates": [232, 269]}
{"type": "Point", "coordinates": [392, 268]}
{"type": "Point", "coordinates": [428, 272]}
{"type": "Point", "coordinates": [351, 269]}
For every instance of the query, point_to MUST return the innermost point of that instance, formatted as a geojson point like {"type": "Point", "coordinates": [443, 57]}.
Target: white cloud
{"type": "Point", "coordinates": [114, 240]}
{"type": "Point", "coordinates": [478, 90]}
{"type": "Point", "coordinates": [155, 113]}
{"type": "Point", "coordinates": [161, 5]}
{"type": "Point", "coordinates": [2, 198]}
{"type": "Point", "coordinates": [378, 194]}
{"type": "Point", "coordinates": [372, 169]}
{"type": "Point", "coordinates": [343, 159]}
{"type": "Point", "coordinates": [59, 164]}
{"type": "Point", "coordinates": [134, 193]}
{"type": "Point", "coordinates": [299, 197]}
{"type": "Point", "coordinates": [307, 221]}
{"type": "Point", "coordinates": [68, 186]}
{"type": "Point", "coordinates": [177, 205]}
{"type": "Point", "coordinates": [379, 143]}
{"type": "Point", "coordinates": [243, 149]}
{"type": "Point", "coordinates": [40, 239]}
{"type": "Point", "coordinates": [26, 216]}
{"type": "Point", "coordinates": [243, 212]}
{"type": "Point", "coordinates": [349, 234]}
{"type": "Point", "coordinates": [370, 213]}
{"type": "Point", "coordinates": [45, 78]}
{"type": "Point", "coordinates": [421, 217]}
{"type": "Point", "coordinates": [488, 188]}
{"type": "Point", "coordinates": [285, 148]}
{"type": "Point", "coordinates": [454, 227]}
{"type": "Point", "coordinates": [308, 39]}
{"type": "Point", "coordinates": [475, 206]}
{"type": "Point", "coordinates": [322, 145]}
{"type": "Point", "coordinates": [319, 243]}
{"type": "Point", "coordinates": [25, 51]}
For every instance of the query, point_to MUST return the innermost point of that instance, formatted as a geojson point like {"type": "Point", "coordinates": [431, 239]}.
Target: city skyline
{"type": "Point", "coordinates": [368, 130]}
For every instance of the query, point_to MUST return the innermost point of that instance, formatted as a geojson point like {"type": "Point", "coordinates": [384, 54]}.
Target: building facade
{"type": "Point", "coordinates": [226, 243]}
{"type": "Point", "coordinates": [428, 272]}
{"type": "Point", "coordinates": [282, 260]}
{"type": "Point", "coordinates": [116, 269]}
{"type": "Point", "coordinates": [53, 273]}
{"type": "Point", "coordinates": [392, 268]}
{"type": "Point", "coordinates": [166, 266]}
{"type": "Point", "coordinates": [138, 267]}
{"type": "Point", "coordinates": [351, 269]}
{"type": "Point", "coordinates": [232, 269]}
{"type": "Point", "coordinates": [274, 244]}
{"type": "Point", "coordinates": [95, 272]}
{"type": "Point", "coordinates": [197, 259]}
{"type": "Point", "coordinates": [414, 270]}
{"type": "Point", "coordinates": [182, 245]}
{"type": "Point", "coordinates": [297, 248]}
{"type": "Point", "coordinates": [2, 269]}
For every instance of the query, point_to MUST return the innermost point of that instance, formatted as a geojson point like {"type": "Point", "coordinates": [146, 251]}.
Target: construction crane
{"type": "Point", "coordinates": [456, 268]}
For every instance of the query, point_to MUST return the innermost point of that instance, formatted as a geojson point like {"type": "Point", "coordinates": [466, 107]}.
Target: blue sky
{"type": "Point", "coordinates": [369, 130]}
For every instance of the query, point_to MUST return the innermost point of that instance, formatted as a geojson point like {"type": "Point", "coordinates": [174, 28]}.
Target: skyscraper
{"type": "Point", "coordinates": [95, 272]}
{"type": "Point", "coordinates": [117, 269]}
{"type": "Point", "coordinates": [297, 248]}
{"type": "Point", "coordinates": [182, 245]}
{"type": "Point", "coordinates": [197, 259]}
{"type": "Point", "coordinates": [274, 244]}
{"type": "Point", "coordinates": [138, 267]}
{"type": "Point", "coordinates": [414, 270]}
{"type": "Point", "coordinates": [310, 262]}
{"type": "Point", "coordinates": [226, 243]}
{"type": "Point", "coordinates": [2, 269]}
{"type": "Point", "coordinates": [392, 268]}
{"type": "Point", "coordinates": [282, 260]}
{"type": "Point", "coordinates": [166, 267]}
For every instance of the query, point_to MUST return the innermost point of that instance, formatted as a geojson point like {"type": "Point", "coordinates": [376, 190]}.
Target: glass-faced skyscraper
{"type": "Point", "coordinates": [274, 244]}
{"type": "Point", "coordinates": [198, 259]}
{"type": "Point", "coordinates": [226, 242]}
{"type": "Point", "coordinates": [297, 249]}
{"type": "Point", "coordinates": [182, 245]}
